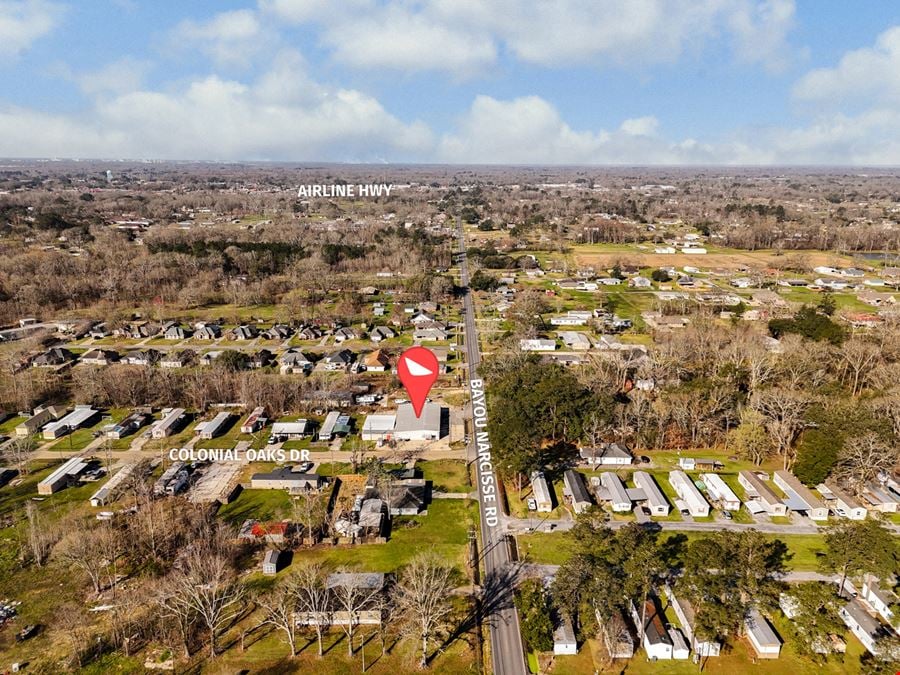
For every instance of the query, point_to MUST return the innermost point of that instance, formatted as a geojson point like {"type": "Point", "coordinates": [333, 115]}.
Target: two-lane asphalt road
{"type": "Point", "coordinates": [507, 652]}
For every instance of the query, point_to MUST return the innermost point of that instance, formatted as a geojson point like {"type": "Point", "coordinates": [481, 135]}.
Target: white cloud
{"type": "Point", "coordinates": [864, 75]}
{"type": "Point", "coordinates": [281, 116]}
{"type": "Point", "coordinates": [462, 36]}
{"type": "Point", "coordinates": [397, 39]}
{"type": "Point", "coordinates": [126, 74]}
{"type": "Point", "coordinates": [22, 22]}
{"type": "Point", "coordinates": [760, 32]}
{"type": "Point", "coordinates": [228, 37]}
{"type": "Point", "coordinates": [529, 130]}
{"type": "Point", "coordinates": [640, 126]}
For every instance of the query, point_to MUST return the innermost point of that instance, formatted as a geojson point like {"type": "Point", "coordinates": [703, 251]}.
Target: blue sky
{"type": "Point", "coordinates": [458, 81]}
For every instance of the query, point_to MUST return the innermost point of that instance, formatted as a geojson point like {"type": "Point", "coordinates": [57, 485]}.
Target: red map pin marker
{"type": "Point", "coordinates": [418, 370]}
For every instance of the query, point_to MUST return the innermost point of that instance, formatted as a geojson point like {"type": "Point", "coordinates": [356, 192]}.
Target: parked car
{"type": "Point", "coordinates": [727, 515]}
{"type": "Point", "coordinates": [532, 505]}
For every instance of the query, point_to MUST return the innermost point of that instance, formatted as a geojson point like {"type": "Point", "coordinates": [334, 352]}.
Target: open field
{"type": "Point", "coordinates": [602, 256]}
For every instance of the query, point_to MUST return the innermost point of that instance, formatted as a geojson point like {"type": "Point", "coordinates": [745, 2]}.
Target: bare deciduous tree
{"type": "Point", "coordinates": [783, 410]}
{"type": "Point", "coordinates": [206, 587]}
{"type": "Point", "coordinates": [279, 610]}
{"type": "Point", "coordinates": [862, 458]}
{"type": "Point", "coordinates": [92, 550]}
{"type": "Point", "coordinates": [312, 598]}
{"type": "Point", "coordinates": [351, 598]}
{"type": "Point", "coordinates": [422, 598]}
{"type": "Point", "coordinates": [41, 535]}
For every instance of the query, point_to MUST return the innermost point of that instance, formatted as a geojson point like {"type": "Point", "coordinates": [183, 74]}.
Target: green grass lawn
{"type": "Point", "coordinates": [81, 438]}
{"type": "Point", "coordinates": [9, 426]}
{"type": "Point", "coordinates": [446, 475]}
{"type": "Point", "coordinates": [444, 529]}
{"type": "Point", "coordinates": [258, 505]}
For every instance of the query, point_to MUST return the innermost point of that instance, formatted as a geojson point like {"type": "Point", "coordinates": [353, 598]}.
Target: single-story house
{"type": "Point", "coordinates": [291, 431]}
{"type": "Point", "coordinates": [214, 427]}
{"type": "Point", "coordinates": [271, 562]}
{"type": "Point", "coordinates": [380, 333]}
{"type": "Point", "coordinates": [278, 332]}
{"type": "Point", "coordinates": [684, 610]}
{"type": "Point", "coordinates": [210, 331]}
{"type": "Point", "coordinates": [377, 361]}
{"type": "Point", "coordinates": [128, 426]}
{"type": "Point", "coordinates": [66, 474]}
{"type": "Point", "coordinates": [338, 360]}
{"type": "Point", "coordinates": [607, 454]}
{"type": "Point", "coordinates": [537, 345]}
{"type": "Point", "coordinates": [244, 332]}
{"type": "Point", "coordinates": [293, 361]}
{"type": "Point", "coordinates": [100, 357]}
{"type": "Point", "coordinates": [845, 505]}
{"type": "Point", "coordinates": [882, 600]}
{"type": "Point", "coordinates": [564, 638]}
{"type": "Point", "coordinates": [178, 359]}
{"type": "Point", "coordinates": [863, 625]}
{"type": "Point", "coordinates": [40, 417]}
{"type": "Point", "coordinates": [612, 490]}
{"type": "Point", "coordinates": [657, 642]}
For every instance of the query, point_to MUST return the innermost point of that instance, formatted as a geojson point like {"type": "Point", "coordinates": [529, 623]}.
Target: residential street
{"type": "Point", "coordinates": [507, 651]}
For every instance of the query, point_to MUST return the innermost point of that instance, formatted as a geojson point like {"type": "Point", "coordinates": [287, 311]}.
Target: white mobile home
{"type": "Point", "coordinates": [879, 498]}
{"type": "Point", "coordinates": [607, 454]}
{"type": "Point", "coordinates": [613, 491]}
{"type": "Point", "coordinates": [761, 636]}
{"type": "Point", "coordinates": [882, 600]}
{"type": "Point", "coordinates": [564, 638]}
{"type": "Point", "coordinates": [697, 506]}
{"type": "Point", "coordinates": [541, 492]}
{"type": "Point", "coordinates": [845, 505]}
{"type": "Point", "coordinates": [255, 421]}
{"type": "Point", "coordinates": [719, 492]}
{"type": "Point", "coordinates": [863, 625]}
{"type": "Point", "coordinates": [762, 494]}
{"type": "Point", "coordinates": [800, 497]}
{"type": "Point", "coordinates": [170, 423]}
{"type": "Point", "coordinates": [653, 498]}
{"type": "Point", "coordinates": [215, 427]}
{"type": "Point", "coordinates": [657, 642]}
